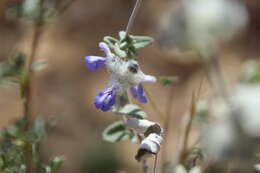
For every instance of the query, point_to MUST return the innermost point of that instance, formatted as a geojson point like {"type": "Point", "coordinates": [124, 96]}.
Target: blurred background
{"type": "Point", "coordinates": [66, 88]}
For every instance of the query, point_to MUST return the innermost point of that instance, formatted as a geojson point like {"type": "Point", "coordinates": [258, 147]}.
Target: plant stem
{"type": "Point", "coordinates": [187, 130]}
{"type": "Point", "coordinates": [166, 125]}
{"type": "Point", "coordinates": [28, 86]}
{"type": "Point", "coordinates": [128, 29]}
{"type": "Point", "coordinates": [29, 72]}
{"type": "Point", "coordinates": [155, 163]}
{"type": "Point", "coordinates": [133, 16]}
{"type": "Point", "coordinates": [145, 166]}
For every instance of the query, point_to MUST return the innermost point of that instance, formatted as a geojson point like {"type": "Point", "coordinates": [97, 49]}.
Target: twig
{"type": "Point", "coordinates": [145, 166]}
{"type": "Point", "coordinates": [215, 77]}
{"type": "Point", "coordinates": [133, 16]}
{"type": "Point", "coordinates": [166, 125]}
{"type": "Point", "coordinates": [195, 97]}
{"type": "Point", "coordinates": [28, 85]}
{"type": "Point", "coordinates": [187, 130]}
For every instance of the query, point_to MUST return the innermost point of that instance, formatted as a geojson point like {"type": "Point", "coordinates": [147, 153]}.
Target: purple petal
{"type": "Point", "coordinates": [95, 62]}
{"type": "Point", "coordinates": [134, 91]}
{"type": "Point", "coordinates": [104, 47]}
{"type": "Point", "coordinates": [138, 93]}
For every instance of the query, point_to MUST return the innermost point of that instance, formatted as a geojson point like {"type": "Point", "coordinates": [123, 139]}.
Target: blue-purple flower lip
{"type": "Point", "coordinates": [105, 99]}
{"type": "Point", "coordinates": [95, 62]}
{"type": "Point", "coordinates": [138, 93]}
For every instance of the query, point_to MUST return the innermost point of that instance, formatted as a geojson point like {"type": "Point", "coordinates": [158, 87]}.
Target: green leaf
{"type": "Point", "coordinates": [37, 131]}
{"type": "Point", "coordinates": [251, 72]}
{"type": "Point", "coordinates": [141, 41]}
{"type": "Point", "coordinates": [168, 80]}
{"type": "Point", "coordinates": [167, 167]}
{"type": "Point", "coordinates": [110, 41]}
{"type": "Point", "coordinates": [53, 165]}
{"type": "Point", "coordinates": [119, 52]}
{"type": "Point", "coordinates": [39, 65]}
{"type": "Point", "coordinates": [117, 132]}
{"type": "Point", "coordinates": [122, 35]}
{"type": "Point", "coordinates": [47, 169]}
{"type": "Point", "coordinates": [201, 113]}
{"type": "Point", "coordinates": [56, 163]}
{"type": "Point", "coordinates": [131, 110]}
{"type": "Point", "coordinates": [11, 70]}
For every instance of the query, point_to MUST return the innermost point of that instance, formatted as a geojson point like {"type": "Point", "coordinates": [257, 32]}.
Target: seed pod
{"type": "Point", "coordinates": [149, 146]}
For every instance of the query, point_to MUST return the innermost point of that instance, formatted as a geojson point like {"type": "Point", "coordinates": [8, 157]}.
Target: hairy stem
{"type": "Point", "coordinates": [130, 23]}
{"type": "Point", "coordinates": [133, 16]}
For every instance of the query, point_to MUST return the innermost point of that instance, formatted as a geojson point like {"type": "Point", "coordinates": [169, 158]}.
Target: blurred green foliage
{"type": "Point", "coordinates": [168, 80]}
{"type": "Point", "coordinates": [13, 143]}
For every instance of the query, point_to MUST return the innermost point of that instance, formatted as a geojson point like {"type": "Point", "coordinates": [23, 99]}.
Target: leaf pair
{"type": "Point", "coordinates": [117, 131]}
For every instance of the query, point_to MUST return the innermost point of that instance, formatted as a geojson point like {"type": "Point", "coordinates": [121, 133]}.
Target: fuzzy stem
{"type": "Point", "coordinates": [133, 16]}
{"type": "Point", "coordinates": [128, 29]}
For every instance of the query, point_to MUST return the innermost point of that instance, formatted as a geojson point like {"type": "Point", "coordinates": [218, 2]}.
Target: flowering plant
{"type": "Point", "coordinates": [124, 73]}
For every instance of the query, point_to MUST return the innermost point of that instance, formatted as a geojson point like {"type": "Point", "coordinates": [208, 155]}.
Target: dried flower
{"type": "Point", "coordinates": [149, 146]}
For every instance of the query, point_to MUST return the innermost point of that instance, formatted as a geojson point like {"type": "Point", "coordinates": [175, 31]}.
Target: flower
{"type": "Point", "coordinates": [96, 62]}
{"type": "Point", "coordinates": [125, 73]}
{"type": "Point", "coordinates": [138, 93]}
{"type": "Point", "coordinates": [105, 99]}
